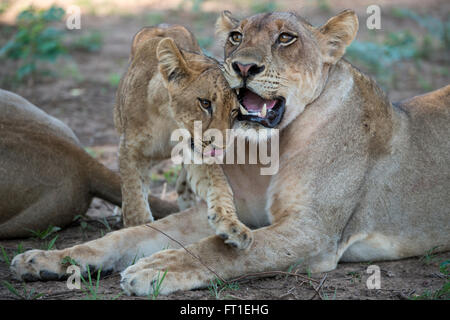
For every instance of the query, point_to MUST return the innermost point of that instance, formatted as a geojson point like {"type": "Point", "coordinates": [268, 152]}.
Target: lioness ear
{"type": "Point", "coordinates": [335, 35]}
{"type": "Point", "coordinates": [172, 64]}
{"type": "Point", "coordinates": [224, 24]}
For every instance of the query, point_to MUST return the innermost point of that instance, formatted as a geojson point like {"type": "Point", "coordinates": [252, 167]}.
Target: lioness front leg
{"type": "Point", "coordinates": [116, 250]}
{"type": "Point", "coordinates": [211, 184]}
{"type": "Point", "coordinates": [270, 251]}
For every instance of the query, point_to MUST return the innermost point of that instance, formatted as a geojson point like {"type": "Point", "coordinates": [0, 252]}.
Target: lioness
{"type": "Point", "coordinates": [360, 179]}
{"type": "Point", "coordinates": [46, 177]}
{"type": "Point", "coordinates": [165, 89]}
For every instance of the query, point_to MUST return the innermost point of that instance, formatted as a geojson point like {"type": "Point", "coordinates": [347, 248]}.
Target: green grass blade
{"type": "Point", "coordinates": [5, 256]}
{"type": "Point", "coordinates": [52, 243]}
{"type": "Point", "coordinates": [11, 289]}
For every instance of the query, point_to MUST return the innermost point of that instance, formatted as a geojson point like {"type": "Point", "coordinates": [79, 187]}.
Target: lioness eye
{"type": "Point", "coordinates": [235, 38]}
{"type": "Point", "coordinates": [286, 38]}
{"type": "Point", "coordinates": [205, 104]}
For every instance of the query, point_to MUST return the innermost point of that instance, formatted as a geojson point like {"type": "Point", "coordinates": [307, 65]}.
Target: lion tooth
{"type": "Point", "coordinates": [264, 111]}
{"type": "Point", "coordinates": [237, 90]}
{"type": "Point", "coordinates": [243, 110]}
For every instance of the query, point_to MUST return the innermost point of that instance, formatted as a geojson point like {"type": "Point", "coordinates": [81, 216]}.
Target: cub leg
{"type": "Point", "coordinates": [116, 250]}
{"type": "Point", "coordinates": [211, 184]}
{"type": "Point", "coordinates": [135, 187]}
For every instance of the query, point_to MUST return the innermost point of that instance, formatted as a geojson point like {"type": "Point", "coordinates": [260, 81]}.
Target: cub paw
{"type": "Point", "coordinates": [137, 220]}
{"type": "Point", "coordinates": [232, 231]}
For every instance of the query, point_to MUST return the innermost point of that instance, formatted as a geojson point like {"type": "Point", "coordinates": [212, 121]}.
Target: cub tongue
{"type": "Point", "coordinates": [253, 102]}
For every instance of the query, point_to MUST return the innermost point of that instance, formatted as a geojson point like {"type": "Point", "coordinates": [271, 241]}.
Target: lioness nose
{"type": "Point", "coordinates": [246, 70]}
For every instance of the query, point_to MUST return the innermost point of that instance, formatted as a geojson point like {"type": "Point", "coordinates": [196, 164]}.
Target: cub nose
{"type": "Point", "coordinates": [246, 70]}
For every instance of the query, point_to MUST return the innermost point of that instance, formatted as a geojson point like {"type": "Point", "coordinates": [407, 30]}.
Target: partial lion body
{"type": "Point", "coordinates": [150, 107]}
{"type": "Point", "coordinates": [383, 180]}
{"type": "Point", "coordinates": [359, 179]}
{"type": "Point", "coordinates": [46, 176]}
{"type": "Point", "coordinates": [42, 180]}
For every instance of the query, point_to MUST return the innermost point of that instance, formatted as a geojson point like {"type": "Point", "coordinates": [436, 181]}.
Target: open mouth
{"type": "Point", "coordinates": [255, 108]}
{"type": "Point", "coordinates": [206, 151]}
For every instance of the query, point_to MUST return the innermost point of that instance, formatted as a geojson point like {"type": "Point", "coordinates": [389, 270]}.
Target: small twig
{"type": "Point", "coordinates": [301, 283]}
{"type": "Point", "coordinates": [233, 296]}
{"type": "Point", "coordinates": [188, 251]}
{"type": "Point", "coordinates": [58, 294]}
{"type": "Point", "coordinates": [317, 289]}
{"type": "Point", "coordinates": [268, 273]}
{"type": "Point", "coordinates": [405, 295]}
{"type": "Point", "coordinates": [289, 293]}
{"type": "Point", "coordinates": [439, 275]}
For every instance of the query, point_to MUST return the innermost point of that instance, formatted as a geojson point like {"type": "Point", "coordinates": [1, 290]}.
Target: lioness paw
{"type": "Point", "coordinates": [146, 282]}
{"type": "Point", "coordinates": [40, 265]}
{"type": "Point", "coordinates": [162, 273]}
{"type": "Point", "coordinates": [35, 265]}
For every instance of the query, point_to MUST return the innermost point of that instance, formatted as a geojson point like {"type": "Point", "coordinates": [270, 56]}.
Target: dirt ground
{"type": "Point", "coordinates": [83, 98]}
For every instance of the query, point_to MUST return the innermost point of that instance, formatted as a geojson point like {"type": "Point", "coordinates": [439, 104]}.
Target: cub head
{"type": "Point", "coordinates": [278, 63]}
{"type": "Point", "coordinates": [198, 91]}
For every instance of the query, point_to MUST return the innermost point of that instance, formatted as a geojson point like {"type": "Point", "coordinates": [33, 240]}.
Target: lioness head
{"type": "Point", "coordinates": [198, 91]}
{"type": "Point", "coordinates": [278, 63]}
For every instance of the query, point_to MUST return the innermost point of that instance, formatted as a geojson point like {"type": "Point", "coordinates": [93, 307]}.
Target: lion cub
{"type": "Point", "coordinates": [170, 84]}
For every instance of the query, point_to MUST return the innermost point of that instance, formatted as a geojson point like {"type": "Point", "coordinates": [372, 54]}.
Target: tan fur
{"type": "Point", "coordinates": [360, 179]}
{"type": "Point", "coordinates": [158, 94]}
{"type": "Point", "coordinates": [46, 176]}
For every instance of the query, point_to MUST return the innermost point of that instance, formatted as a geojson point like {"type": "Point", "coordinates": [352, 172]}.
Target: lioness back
{"type": "Point", "coordinates": [16, 109]}
{"type": "Point", "coordinates": [429, 116]}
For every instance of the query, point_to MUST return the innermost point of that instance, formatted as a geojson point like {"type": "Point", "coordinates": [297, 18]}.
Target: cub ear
{"type": "Point", "coordinates": [335, 35]}
{"type": "Point", "coordinates": [172, 64]}
{"type": "Point", "coordinates": [224, 24]}
{"type": "Point", "coordinates": [140, 38]}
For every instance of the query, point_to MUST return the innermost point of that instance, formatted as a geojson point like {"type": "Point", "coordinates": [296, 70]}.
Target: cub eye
{"type": "Point", "coordinates": [286, 38]}
{"type": "Point", "coordinates": [205, 104]}
{"type": "Point", "coordinates": [235, 37]}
